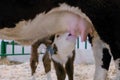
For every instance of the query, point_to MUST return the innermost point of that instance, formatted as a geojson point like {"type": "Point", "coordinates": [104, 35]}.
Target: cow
{"type": "Point", "coordinates": [26, 22]}
{"type": "Point", "coordinates": [104, 15]}
{"type": "Point", "coordinates": [33, 17]}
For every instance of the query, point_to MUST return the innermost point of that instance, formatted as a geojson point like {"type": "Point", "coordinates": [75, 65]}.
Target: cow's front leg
{"type": "Point", "coordinates": [34, 56]}
{"type": "Point", "coordinates": [34, 59]}
{"type": "Point", "coordinates": [102, 59]}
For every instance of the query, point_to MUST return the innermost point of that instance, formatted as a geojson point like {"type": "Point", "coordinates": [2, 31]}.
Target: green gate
{"type": "Point", "coordinates": [12, 43]}
{"type": "Point", "coordinates": [78, 43]}
{"type": "Point", "coordinates": [3, 51]}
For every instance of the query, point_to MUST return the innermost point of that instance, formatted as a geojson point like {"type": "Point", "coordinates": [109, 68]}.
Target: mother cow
{"type": "Point", "coordinates": [104, 14]}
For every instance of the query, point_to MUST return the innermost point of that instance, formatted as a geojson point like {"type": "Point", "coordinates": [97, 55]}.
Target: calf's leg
{"type": "Point", "coordinates": [60, 71]}
{"type": "Point", "coordinates": [47, 65]}
{"type": "Point", "coordinates": [34, 57]}
{"type": "Point", "coordinates": [69, 66]}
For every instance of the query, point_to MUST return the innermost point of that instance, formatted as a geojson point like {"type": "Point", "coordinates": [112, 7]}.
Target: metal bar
{"type": "Point", "coordinates": [23, 50]}
{"type": "Point", "coordinates": [3, 49]}
{"type": "Point", "coordinates": [14, 54]}
{"type": "Point", "coordinates": [13, 47]}
{"type": "Point", "coordinates": [86, 44]}
{"type": "Point", "coordinates": [78, 45]}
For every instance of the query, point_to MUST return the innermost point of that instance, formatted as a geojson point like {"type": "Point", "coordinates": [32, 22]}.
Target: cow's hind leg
{"type": "Point", "coordinates": [102, 58]}
{"type": "Point", "coordinates": [69, 66]}
{"type": "Point", "coordinates": [47, 65]}
{"type": "Point", "coordinates": [34, 57]}
{"type": "Point", "coordinates": [34, 61]}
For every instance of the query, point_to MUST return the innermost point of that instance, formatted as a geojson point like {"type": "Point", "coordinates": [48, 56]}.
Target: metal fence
{"type": "Point", "coordinates": [3, 49]}
{"type": "Point", "coordinates": [4, 44]}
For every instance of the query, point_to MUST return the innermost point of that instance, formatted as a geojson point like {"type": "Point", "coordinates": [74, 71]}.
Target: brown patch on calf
{"type": "Point", "coordinates": [34, 54]}
{"type": "Point", "coordinates": [60, 71]}
{"type": "Point", "coordinates": [47, 62]}
{"type": "Point", "coordinates": [55, 49]}
{"type": "Point", "coordinates": [69, 66]}
{"type": "Point", "coordinates": [34, 57]}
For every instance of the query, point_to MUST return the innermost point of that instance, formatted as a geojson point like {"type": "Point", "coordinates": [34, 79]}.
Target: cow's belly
{"type": "Point", "coordinates": [26, 33]}
{"type": "Point", "coordinates": [25, 36]}
{"type": "Point", "coordinates": [61, 19]}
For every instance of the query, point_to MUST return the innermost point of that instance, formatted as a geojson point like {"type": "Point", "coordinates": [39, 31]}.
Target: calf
{"type": "Point", "coordinates": [62, 57]}
{"type": "Point", "coordinates": [61, 50]}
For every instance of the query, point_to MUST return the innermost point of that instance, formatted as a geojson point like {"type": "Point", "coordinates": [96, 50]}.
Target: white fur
{"type": "Point", "coordinates": [100, 73]}
{"type": "Point", "coordinates": [49, 76]}
{"type": "Point", "coordinates": [43, 25]}
{"type": "Point", "coordinates": [76, 10]}
{"type": "Point", "coordinates": [98, 45]}
{"type": "Point", "coordinates": [65, 48]}
{"type": "Point", "coordinates": [117, 63]}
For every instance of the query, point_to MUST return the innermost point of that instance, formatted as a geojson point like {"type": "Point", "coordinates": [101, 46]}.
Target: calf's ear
{"type": "Point", "coordinates": [52, 37]}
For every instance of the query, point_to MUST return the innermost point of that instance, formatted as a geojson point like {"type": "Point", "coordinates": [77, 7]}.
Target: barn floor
{"type": "Point", "coordinates": [23, 72]}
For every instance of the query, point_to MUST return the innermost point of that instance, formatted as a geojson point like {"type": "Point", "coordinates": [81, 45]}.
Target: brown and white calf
{"type": "Point", "coordinates": [60, 50]}
{"type": "Point", "coordinates": [63, 57]}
